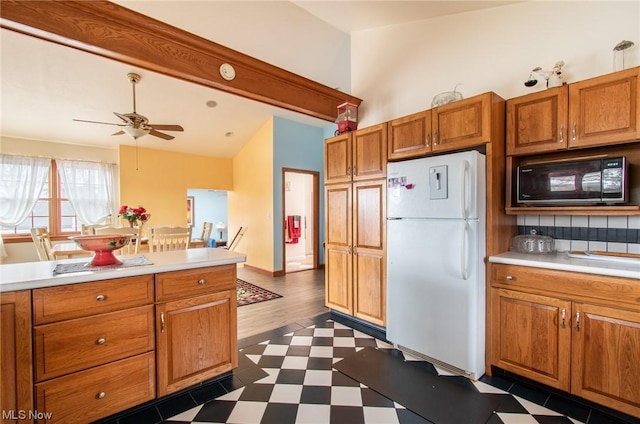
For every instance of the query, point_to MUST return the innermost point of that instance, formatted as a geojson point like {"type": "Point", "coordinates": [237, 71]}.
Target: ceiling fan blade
{"type": "Point", "coordinates": [166, 127]}
{"type": "Point", "coordinates": [161, 135]}
{"type": "Point", "coordinates": [98, 122]}
{"type": "Point", "coordinates": [118, 133]}
{"type": "Point", "coordinates": [126, 119]}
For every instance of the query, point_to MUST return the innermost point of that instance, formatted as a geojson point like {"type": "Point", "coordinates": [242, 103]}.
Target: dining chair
{"type": "Point", "coordinates": [169, 238]}
{"type": "Point", "coordinates": [207, 227]}
{"type": "Point", "coordinates": [42, 242]}
{"type": "Point", "coordinates": [132, 247]}
{"type": "Point", "coordinates": [89, 230]}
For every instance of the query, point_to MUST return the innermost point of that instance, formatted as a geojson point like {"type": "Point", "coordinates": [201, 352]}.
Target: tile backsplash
{"type": "Point", "coordinates": [598, 233]}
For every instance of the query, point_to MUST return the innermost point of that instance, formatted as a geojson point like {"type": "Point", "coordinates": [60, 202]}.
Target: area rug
{"type": "Point", "coordinates": [428, 395]}
{"type": "Point", "coordinates": [250, 293]}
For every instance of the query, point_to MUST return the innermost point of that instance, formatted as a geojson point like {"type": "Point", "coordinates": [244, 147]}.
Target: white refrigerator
{"type": "Point", "coordinates": [435, 259]}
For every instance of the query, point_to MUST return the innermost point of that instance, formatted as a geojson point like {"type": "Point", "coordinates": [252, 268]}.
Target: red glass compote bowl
{"type": "Point", "coordinates": [103, 246]}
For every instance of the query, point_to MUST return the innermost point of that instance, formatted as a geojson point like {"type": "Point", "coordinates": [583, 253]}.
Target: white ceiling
{"type": "Point", "coordinates": [45, 86]}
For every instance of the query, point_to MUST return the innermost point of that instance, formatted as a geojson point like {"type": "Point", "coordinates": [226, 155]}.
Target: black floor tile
{"type": "Point", "coordinates": [270, 361]}
{"type": "Point", "coordinates": [290, 377]}
{"type": "Point", "coordinates": [373, 398]}
{"type": "Point", "coordinates": [216, 411]}
{"type": "Point", "coordinates": [207, 392]}
{"type": "Point", "coordinates": [280, 413]}
{"type": "Point", "coordinates": [320, 364]}
{"type": "Point", "coordinates": [148, 415]}
{"type": "Point", "coordinates": [257, 392]}
{"type": "Point", "coordinates": [231, 383]}
{"type": "Point", "coordinates": [598, 417]}
{"type": "Point", "coordinates": [497, 381]}
{"type": "Point", "coordinates": [346, 414]}
{"type": "Point", "coordinates": [529, 393]}
{"type": "Point", "coordinates": [175, 405]}
{"type": "Point", "coordinates": [408, 417]}
{"type": "Point", "coordinates": [316, 395]}
{"type": "Point", "coordinates": [567, 407]}
{"type": "Point", "coordinates": [340, 379]}
{"type": "Point", "coordinates": [507, 403]}
{"type": "Point", "coordinates": [298, 350]}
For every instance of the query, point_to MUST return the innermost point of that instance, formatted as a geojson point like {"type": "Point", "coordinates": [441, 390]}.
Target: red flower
{"type": "Point", "coordinates": [134, 214]}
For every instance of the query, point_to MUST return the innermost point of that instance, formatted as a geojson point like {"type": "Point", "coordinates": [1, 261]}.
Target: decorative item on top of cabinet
{"type": "Point", "coordinates": [356, 156]}
{"type": "Point", "coordinates": [576, 332]}
{"type": "Point", "coordinates": [410, 136]}
{"type": "Point", "coordinates": [537, 122]}
{"type": "Point", "coordinates": [467, 123]}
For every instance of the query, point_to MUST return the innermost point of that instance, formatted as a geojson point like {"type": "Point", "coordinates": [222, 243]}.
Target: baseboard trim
{"type": "Point", "coordinates": [264, 271]}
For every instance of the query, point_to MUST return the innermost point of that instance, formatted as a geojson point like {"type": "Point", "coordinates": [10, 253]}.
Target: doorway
{"type": "Point", "coordinates": [300, 206]}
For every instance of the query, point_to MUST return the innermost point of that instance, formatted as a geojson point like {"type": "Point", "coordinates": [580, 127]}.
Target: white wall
{"type": "Point", "coordinates": [397, 70]}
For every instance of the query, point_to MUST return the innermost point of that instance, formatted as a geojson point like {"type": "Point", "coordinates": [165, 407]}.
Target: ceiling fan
{"type": "Point", "coordinates": [135, 124]}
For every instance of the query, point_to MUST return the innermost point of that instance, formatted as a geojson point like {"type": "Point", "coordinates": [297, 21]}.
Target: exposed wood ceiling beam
{"type": "Point", "coordinates": [115, 32]}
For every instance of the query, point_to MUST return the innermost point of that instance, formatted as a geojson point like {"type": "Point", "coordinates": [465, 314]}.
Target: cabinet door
{"type": "Point", "coordinates": [604, 110]}
{"type": "Point", "coordinates": [337, 159]}
{"type": "Point", "coordinates": [338, 245]}
{"type": "Point", "coordinates": [369, 266]}
{"type": "Point", "coordinates": [196, 340]}
{"type": "Point", "coordinates": [537, 122]}
{"type": "Point", "coordinates": [532, 336]}
{"type": "Point", "coordinates": [16, 376]}
{"type": "Point", "coordinates": [410, 136]}
{"type": "Point", "coordinates": [462, 124]}
{"type": "Point", "coordinates": [370, 152]}
{"type": "Point", "coordinates": [606, 363]}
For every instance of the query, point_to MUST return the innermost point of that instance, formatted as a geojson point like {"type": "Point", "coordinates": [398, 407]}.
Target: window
{"type": "Point", "coordinates": [70, 189]}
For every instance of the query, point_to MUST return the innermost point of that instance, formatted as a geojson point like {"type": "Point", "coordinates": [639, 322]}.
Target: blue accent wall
{"type": "Point", "coordinates": [296, 146]}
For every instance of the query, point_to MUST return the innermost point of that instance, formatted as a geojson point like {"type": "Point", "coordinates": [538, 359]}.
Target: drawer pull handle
{"type": "Point", "coordinates": [162, 322]}
{"type": "Point", "coordinates": [101, 341]}
{"type": "Point", "coordinates": [509, 277]}
{"type": "Point", "coordinates": [100, 297]}
{"type": "Point", "coordinates": [101, 395]}
{"type": "Point", "coordinates": [564, 316]}
{"type": "Point", "coordinates": [578, 321]}
{"type": "Point", "coordinates": [561, 140]}
{"type": "Point", "coordinates": [573, 132]}
{"type": "Point", "coordinates": [201, 281]}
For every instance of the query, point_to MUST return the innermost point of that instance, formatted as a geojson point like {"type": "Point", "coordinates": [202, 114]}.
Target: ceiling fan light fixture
{"type": "Point", "coordinates": [136, 133]}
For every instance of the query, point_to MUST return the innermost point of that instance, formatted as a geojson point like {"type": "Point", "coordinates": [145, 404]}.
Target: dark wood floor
{"type": "Point", "coordinates": [302, 297]}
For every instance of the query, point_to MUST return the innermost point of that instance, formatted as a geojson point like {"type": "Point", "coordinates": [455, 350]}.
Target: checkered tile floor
{"type": "Point", "coordinates": [297, 384]}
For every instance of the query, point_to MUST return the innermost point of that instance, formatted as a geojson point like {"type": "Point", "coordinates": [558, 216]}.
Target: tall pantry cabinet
{"type": "Point", "coordinates": [355, 223]}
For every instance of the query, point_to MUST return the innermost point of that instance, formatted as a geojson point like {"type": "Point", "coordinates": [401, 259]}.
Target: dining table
{"type": "Point", "coordinates": [67, 250]}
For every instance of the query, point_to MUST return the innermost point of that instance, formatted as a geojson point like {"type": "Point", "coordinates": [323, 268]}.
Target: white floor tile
{"type": "Point", "coordinates": [276, 350]}
{"type": "Point", "coordinates": [313, 414]}
{"type": "Point", "coordinates": [188, 415]}
{"type": "Point", "coordinates": [321, 352]}
{"type": "Point", "coordinates": [247, 412]}
{"type": "Point", "coordinates": [487, 388]}
{"type": "Point", "coordinates": [534, 408]}
{"type": "Point", "coordinates": [373, 415]}
{"type": "Point", "coordinates": [286, 393]}
{"type": "Point", "coordinates": [358, 335]}
{"type": "Point", "coordinates": [323, 332]}
{"type": "Point", "coordinates": [508, 418]}
{"type": "Point", "coordinates": [301, 340]}
{"type": "Point", "coordinates": [318, 378]}
{"type": "Point", "coordinates": [346, 396]}
{"type": "Point", "coordinates": [254, 358]}
{"type": "Point", "coordinates": [271, 378]}
{"type": "Point", "coordinates": [295, 363]}
{"type": "Point", "coordinates": [344, 342]}
{"type": "Point", "coordinates": [235, 395]}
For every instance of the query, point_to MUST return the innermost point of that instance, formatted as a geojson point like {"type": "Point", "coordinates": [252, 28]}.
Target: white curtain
{"type": "Point", "coordinates": [89, 187]}
{"type": "Point", "coordinates": [21, 181]}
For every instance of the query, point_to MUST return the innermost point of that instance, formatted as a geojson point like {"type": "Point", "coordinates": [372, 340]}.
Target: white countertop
{"type": "Point", "coordinates": [561, 261]}
{"type": "Point", "coordinates": [31, 275]}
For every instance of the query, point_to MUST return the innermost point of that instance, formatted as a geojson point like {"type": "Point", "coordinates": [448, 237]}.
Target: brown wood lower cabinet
{"type": "Point", "coordinates": [196, 326]}
{"type": "Point", "coordinates": [16, 375]}
{"type": "Point", "coordinates": [576, 332]}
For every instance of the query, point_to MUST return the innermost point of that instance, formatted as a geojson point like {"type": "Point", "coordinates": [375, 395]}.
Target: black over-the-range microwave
{"type": "Point", "coordinates": [597, 180]}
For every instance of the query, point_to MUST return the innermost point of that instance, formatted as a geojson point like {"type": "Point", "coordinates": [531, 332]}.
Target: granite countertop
{"type": "Point", "coordinates": [31, 275]}
{"type": "Point", "coordinates": [562, 261]}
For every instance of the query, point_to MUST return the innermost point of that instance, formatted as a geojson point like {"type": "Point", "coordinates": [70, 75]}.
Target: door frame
{"type": "Point", "coordinates": [316, 213]}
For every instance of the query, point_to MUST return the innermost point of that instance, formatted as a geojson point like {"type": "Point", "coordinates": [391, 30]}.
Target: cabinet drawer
{"type": "Point", "coordinates": [79, 300]}
{"type": "Point", "coordinates": [195, 282]}
{"type": "Point", "coordinates": [577, 286]}
{"type": "Point", "coordinates": [73, 345]}
{"type": "Point", "coordinates": [99, 392]}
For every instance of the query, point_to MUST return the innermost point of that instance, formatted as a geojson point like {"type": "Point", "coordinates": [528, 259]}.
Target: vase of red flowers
{"type": "Point", "coordinates": [134, 215]}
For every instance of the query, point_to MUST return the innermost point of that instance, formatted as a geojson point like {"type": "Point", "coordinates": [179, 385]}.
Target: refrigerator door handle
{"type": "Point", "coordinates": [464, 256]}
{"type": "Point", "coordinates": [466, 189]}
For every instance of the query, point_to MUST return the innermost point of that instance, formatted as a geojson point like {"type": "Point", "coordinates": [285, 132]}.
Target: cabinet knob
{"type": "Point", "coordinates": [426, 140]}
{"type": "Point", "coordinates": [435, 137]}
{"type": "Point", "coordinates": [561, 138]}
{"type": "Point", "coordinates": [100, 297]}
{"type": "Point", "coordinates": [573, 132]}
{"type": "Point", "coordinates": [201, 281]}
{"type": "Point", "coordinates": [101, 341]}
{"type": "Point", "coordinates": [509, 278]}
{"type": "Point", "coordinates": [101, 395]}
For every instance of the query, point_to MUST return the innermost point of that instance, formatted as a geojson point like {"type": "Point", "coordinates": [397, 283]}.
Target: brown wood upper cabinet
{"type": "Point", "coordinates": [410, 136]}
{"type": "Point", "coordinates": [465, 123]}
{"type": "Point", "coordinates": [356, 156]}
{"type": "Point", "coordinates": [595, 112]}
{"type": "Point", "coordinates": [537, 122]}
